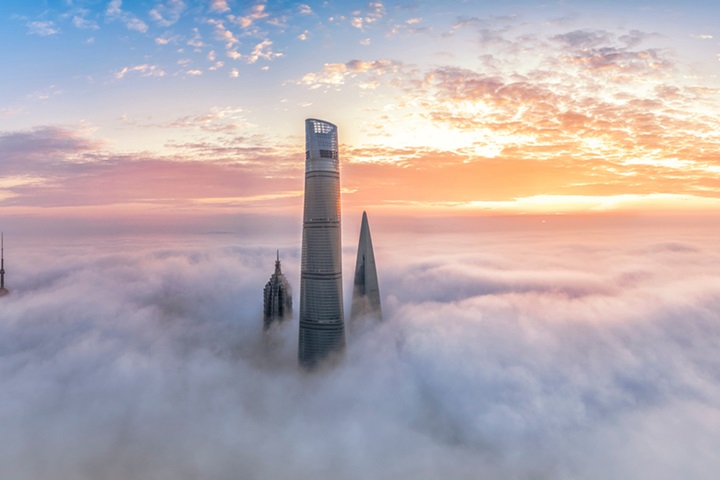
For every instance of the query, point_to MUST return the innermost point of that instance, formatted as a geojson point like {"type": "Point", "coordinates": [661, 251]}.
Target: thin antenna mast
{"type": "Point", "coordinates": [2, 264]}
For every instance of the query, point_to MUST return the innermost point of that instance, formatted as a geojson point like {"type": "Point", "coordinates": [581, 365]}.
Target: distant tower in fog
{"type": "Point", "coordinates": [277, 304]}
{"type": "Point", "coordinates": [322, 325]}
{"type": "Point", "coordinates": [3, 290]}
{"type": "Point", "coordinates": [366, 290]}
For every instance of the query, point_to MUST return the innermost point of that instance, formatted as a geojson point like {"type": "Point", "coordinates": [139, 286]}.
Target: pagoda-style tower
{"type": "Point", "coordinates": [3, 290]}
{"type": "Point", "coordinates": [277, 298]}
{"type": "Point", "coordinates": [366, 290]}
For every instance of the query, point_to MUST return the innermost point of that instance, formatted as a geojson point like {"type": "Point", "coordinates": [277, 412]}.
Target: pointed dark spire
{"type": "Point", "coordinates": [366, 290]}
{"type": "Point", "coordinates": [3, 290]}
{"type": "Point", "coordinates": [277, 295]}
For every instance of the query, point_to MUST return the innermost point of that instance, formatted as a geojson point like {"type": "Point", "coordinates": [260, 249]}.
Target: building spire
{"type": "Point", "coordinates": [366, 290]}
{"type": "Point", "coordinates": [3, 290]}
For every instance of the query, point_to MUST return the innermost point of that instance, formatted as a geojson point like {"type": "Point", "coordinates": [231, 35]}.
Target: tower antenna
{"type": "Point", "coordinates": [2, 260]}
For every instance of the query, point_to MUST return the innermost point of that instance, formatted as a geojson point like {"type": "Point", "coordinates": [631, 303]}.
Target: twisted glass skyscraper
{"type": "Point", "coordinates": [322, 326]}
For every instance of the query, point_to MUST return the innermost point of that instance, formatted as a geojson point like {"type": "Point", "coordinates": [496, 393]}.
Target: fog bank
{"type": "Point", "coordinates": [511, 355]}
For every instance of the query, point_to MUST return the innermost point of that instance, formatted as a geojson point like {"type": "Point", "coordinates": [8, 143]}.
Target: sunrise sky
{"type": "Point", "coordinates": [172, 107]}
{"type": "Point", "coordinates": [541, 181]}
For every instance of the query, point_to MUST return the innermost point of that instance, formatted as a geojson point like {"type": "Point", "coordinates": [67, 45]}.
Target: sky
{"type": "Point", "coordinates": [175, 111]}
{"type": "Point", "coordinates": [584, 357]}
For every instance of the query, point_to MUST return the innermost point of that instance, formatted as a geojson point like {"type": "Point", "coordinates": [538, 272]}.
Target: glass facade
{"type": "Point", "coordinates": [322, 326]}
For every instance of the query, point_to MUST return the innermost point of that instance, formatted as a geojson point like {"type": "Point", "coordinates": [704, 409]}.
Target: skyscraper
{"type": "Point", "coordinates": [277, 295]}
{"type": "Point", "coordinates": [366, 290]}
{"type": "Point", "coordinates": [3, 290]}
{"type": "Point", "coordinates": [322, 325]}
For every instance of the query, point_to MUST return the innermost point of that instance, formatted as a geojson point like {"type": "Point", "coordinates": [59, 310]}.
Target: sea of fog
{"type": "Point", "coordinates": [508, 351]}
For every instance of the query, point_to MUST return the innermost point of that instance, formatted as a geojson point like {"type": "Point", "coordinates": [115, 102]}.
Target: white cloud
{"type": "Point", "coordinates": [196, 40]}
{"type": "Point", "coordinates": [263, 50]}
{"type": "Point", "coordinates": [223, 33]}
{"type": "Point", "coordinates": [83, 23]}
{"type": "Point", "coordinates": [168, 12]}
{"type": "Point", "coordinates": [43, 29]}
{"type": "Point", "coordinates": [114, 8]}
{"type": "Point", "coordinates": [257, 12]}
{"type": "Point", "coordinates": [144, 70]}
{"type": "Point", "coordinates": [220, 6]}
{"type": "Point", "coordinates": [335, 74]}
{"type": "Point", "coordinates": [375, 11]}
{"type": "Point", "coordinates": [137, 25]}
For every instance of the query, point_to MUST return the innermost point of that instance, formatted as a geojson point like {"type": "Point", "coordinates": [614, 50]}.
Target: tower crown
{"type": "Point", "coordinates": [321, 146]}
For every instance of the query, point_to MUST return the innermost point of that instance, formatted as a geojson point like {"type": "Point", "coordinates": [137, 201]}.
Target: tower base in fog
{"type": "Point", "coordinates": [328, 340]}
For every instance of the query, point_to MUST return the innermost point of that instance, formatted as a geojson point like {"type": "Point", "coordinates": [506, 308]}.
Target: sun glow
{"type": "Point", "coordinates": [586, 203]}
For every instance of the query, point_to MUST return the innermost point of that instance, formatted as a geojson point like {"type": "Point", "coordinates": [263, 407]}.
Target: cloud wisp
{"type": "Point", "coordinates": [58, 167]}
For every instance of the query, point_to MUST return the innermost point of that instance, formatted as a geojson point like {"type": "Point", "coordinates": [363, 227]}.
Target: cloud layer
{"type": "Point", "coordinates": [514, 354]}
